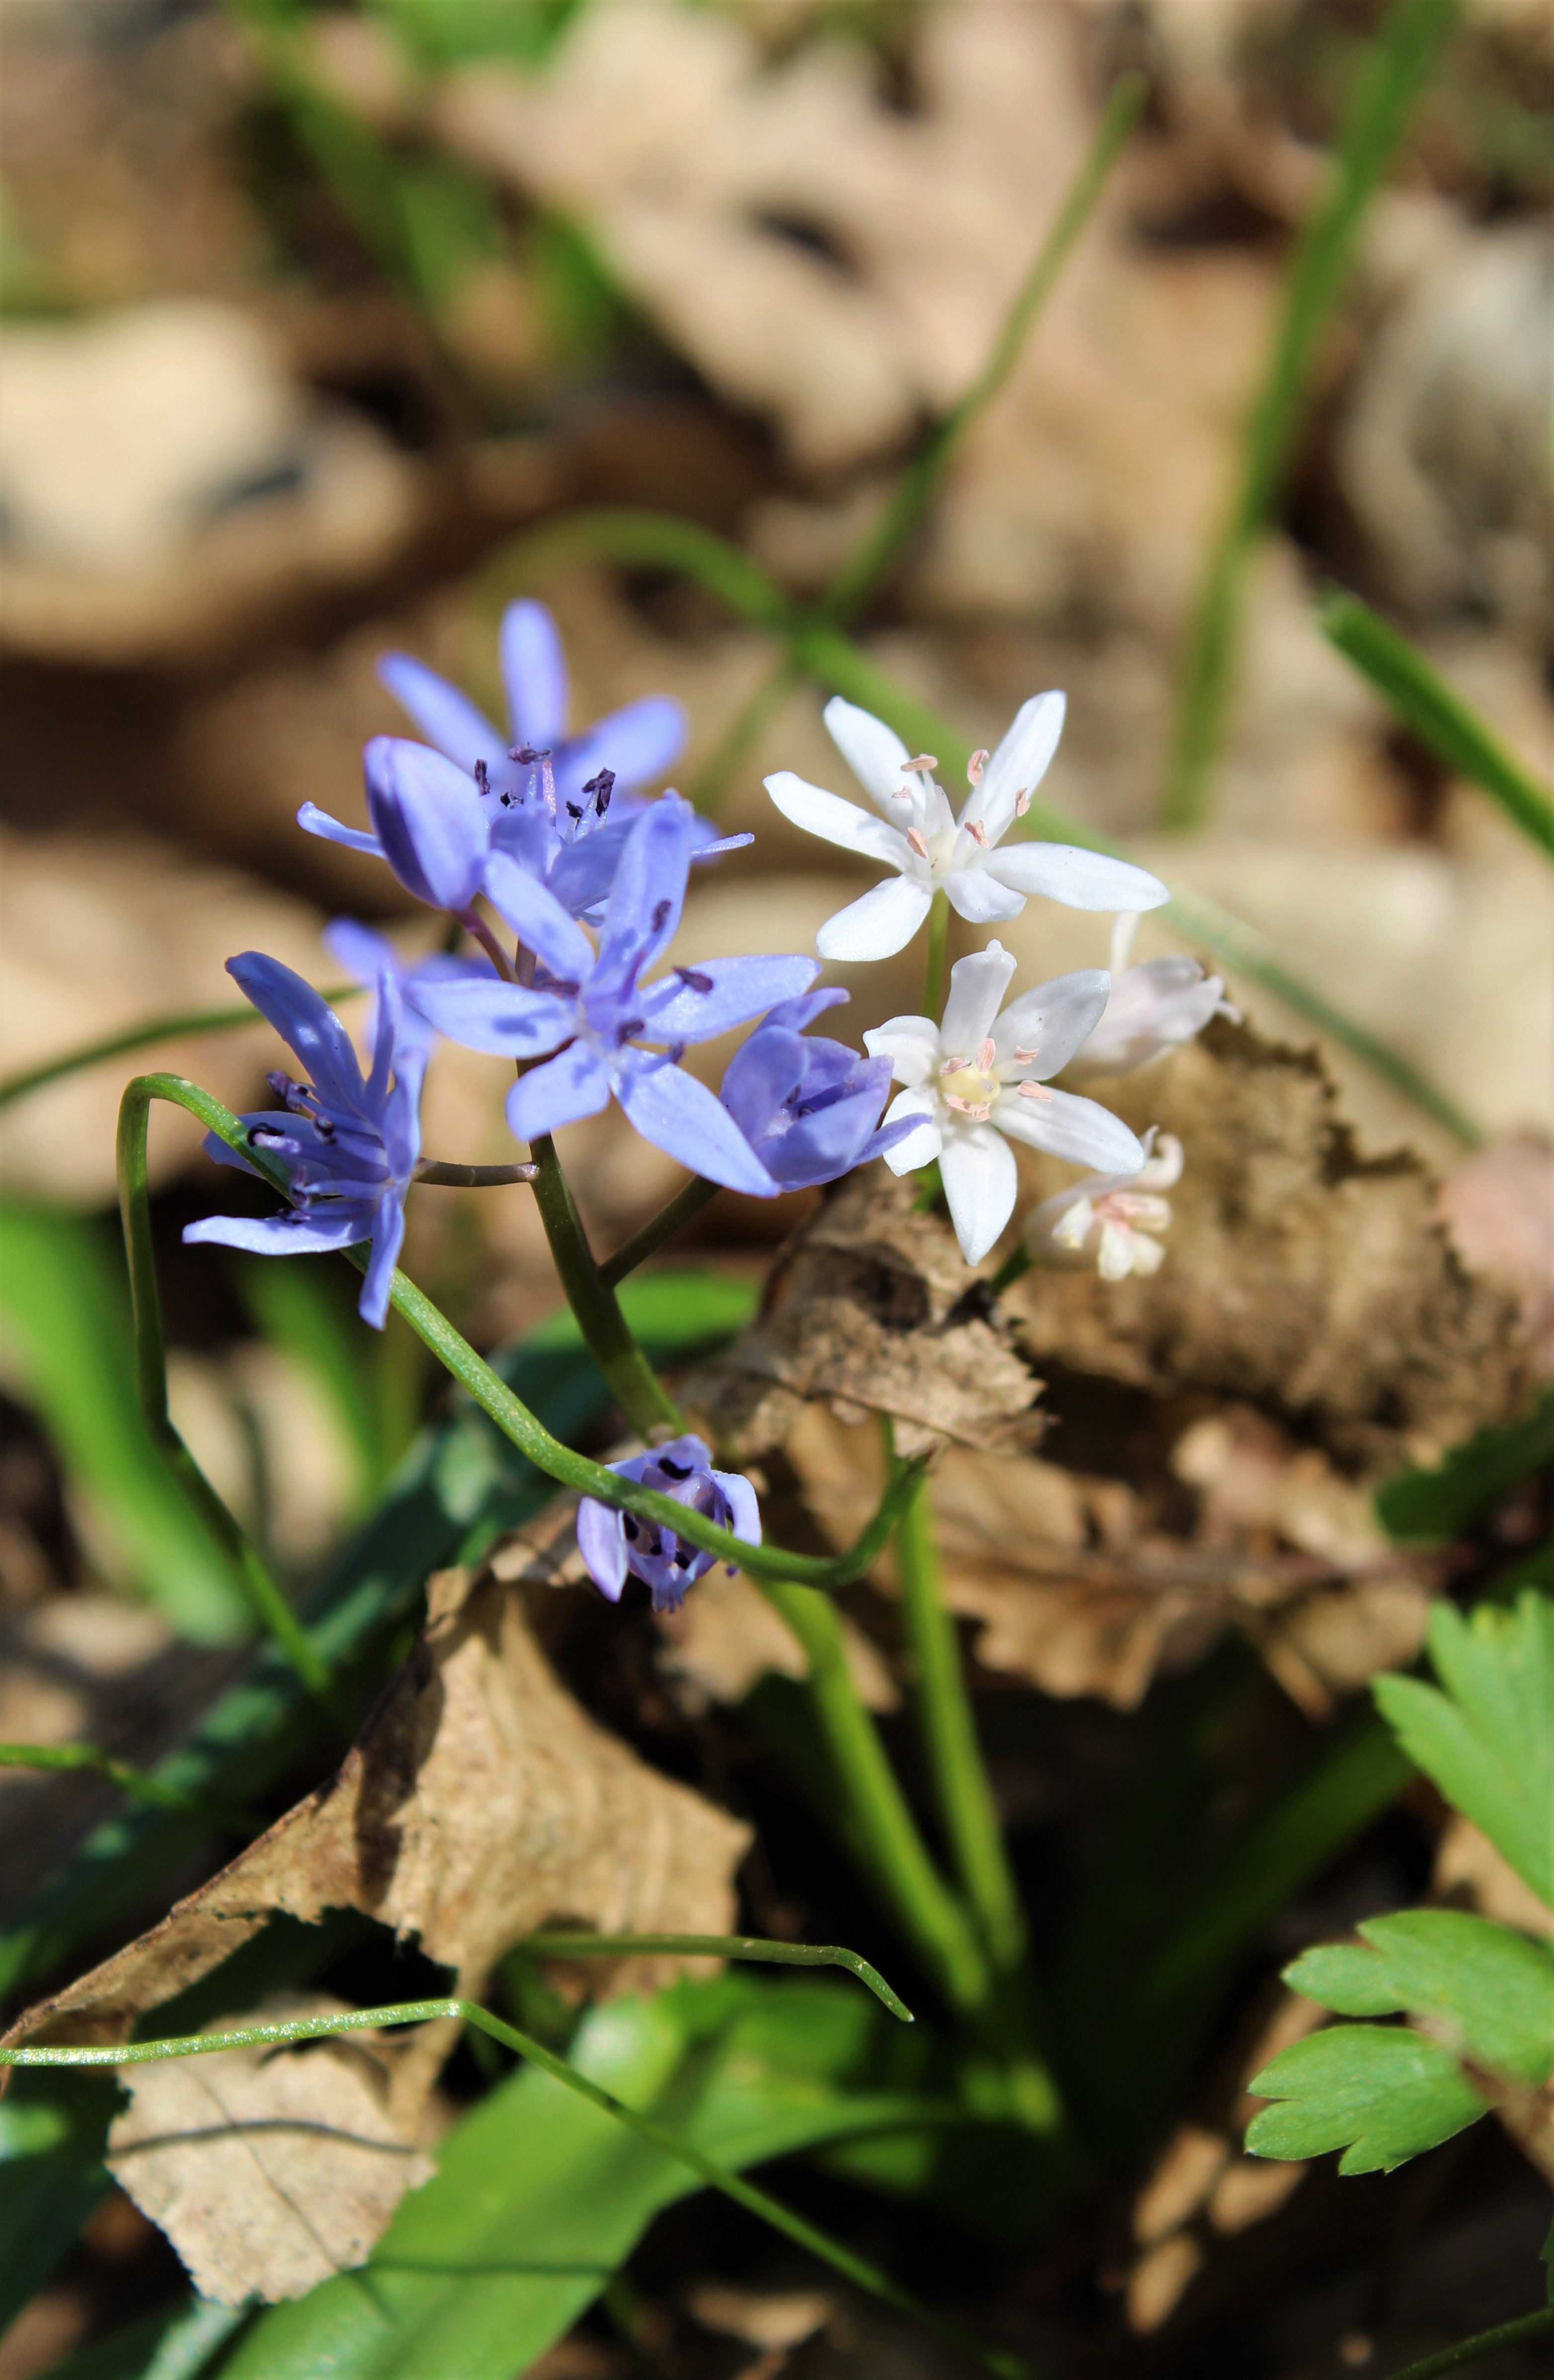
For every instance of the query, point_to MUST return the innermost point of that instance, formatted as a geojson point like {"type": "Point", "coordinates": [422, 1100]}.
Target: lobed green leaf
{"type": "Point", "coordinates": [1490, 1991]}
{"type": "Point", "coordinates": [1379, 2092]}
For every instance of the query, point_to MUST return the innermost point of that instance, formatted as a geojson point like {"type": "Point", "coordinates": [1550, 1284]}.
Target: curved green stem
{"type": "Point", "coordinates": [933, 971]}
{"type": "Point", "coordinates": [682, 1208]}
{"type": "Point", "coordinates": [509, 1412]}
{"type": "Point", "coordinates": [720, 1945]}
{"type": "Point", "coordinates": [269, 1605]}
{"type": "Point", "coordinates": [1480, 2348]}
{"type": "Point", "coordinates": [886, 1833]}
{"type": "Point", "coordinates": [769, 2210]}
{"type": "Point", "coordinates": [636, 1389]}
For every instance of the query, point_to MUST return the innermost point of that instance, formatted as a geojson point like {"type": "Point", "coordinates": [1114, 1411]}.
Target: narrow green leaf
{"type": "Point", "coordinates": [1391, 81]}
{"type": "Point", "coordinates": [1420, 1507]}
{"type": "Point", "coordinates": [1490, 1991]}
{"type": "Point", "coordinates": [52, 2129]}
{"type": "Point", "coordinates": [1437, 715]}
{"type": "Point", "coordinates": [1480, 2347]}
{"type": "Point", "coordinates": [65, 1324]}
{"type": "Point", "coordinates": [177, 2342]}
{"type": "Point", "coordinates": [1380, 2094]}
{"type": "Point", "coordinates": [139, 1036]}
{"type": "Point", "coordinates": [1487, 1740]}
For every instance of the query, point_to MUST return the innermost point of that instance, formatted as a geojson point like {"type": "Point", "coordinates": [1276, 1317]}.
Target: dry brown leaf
{"type": "Point", "coordinates": [1498, 1207]}
{"type": "Point", "coordinates": [269, 2170]}
{"type": "Point", "coordinates": [1312, 1282]}
{"type": "Point", "coordinates": [479, 1802]}
{"type": "Point", "coordinates": [871, 1305]}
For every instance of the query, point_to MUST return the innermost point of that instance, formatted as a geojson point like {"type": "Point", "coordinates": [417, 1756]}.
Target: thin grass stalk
{"type": "Point", "coordinates": [769, 2210]}
{"type": "Point", "coordinates": [1401, 63]}
{"type": "Point", "coordinates": [140, 1036]}
{"type": "Point", "coordinates": [749, 1947]}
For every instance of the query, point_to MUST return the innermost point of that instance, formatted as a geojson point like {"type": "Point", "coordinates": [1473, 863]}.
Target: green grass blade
{"type": "Point", "coordinates": [1479, 2350]}
{"type": "Point", "coordinates": [718, 1946]}
{"type": "Point", "coordinates": [140, 1036]}
{"type": "Point", "coordinates": [916, 488]}
{"type": "Point", "coordinates": [65, 1327]}
{"type": "Point", "coordinates": [139, 1784]}
{"type": "Point", "coordinates": [1391, 80]}
{"type": "Point", "coordinates": [1421, 698]}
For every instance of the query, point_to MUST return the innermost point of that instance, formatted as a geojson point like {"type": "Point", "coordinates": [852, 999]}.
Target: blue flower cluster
{"type": "Point", "coordinates": [549, 832]}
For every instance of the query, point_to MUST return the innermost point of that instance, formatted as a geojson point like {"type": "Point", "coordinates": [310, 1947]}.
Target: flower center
{"type": "Point", "coordinates": [970, 1084]}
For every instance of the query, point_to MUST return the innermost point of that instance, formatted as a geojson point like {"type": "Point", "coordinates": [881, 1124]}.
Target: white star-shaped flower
{"type": "Point", "coordinates": [1107, 1219]}
{"type": "Point", "coordinates": [1154, 1008]}
{"type": "Point", "coordinates": [979, 1076]}
{"type": "Point", "coordinates": [918, 835]}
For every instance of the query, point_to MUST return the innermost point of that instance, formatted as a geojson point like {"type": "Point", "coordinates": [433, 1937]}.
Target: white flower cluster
{"type": "Point", "coordinates": [982, 1077]}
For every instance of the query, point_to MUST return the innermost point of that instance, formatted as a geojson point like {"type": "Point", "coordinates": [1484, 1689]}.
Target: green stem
{"type": "Point", "coordinates": [634, 1384]}
{"type": "Point", "coordinates": [265, 1598]}
{"type": "Point", "coordinates": [1401, 62]}
{"type": "Point", "coordinates": [516, 1421]}
{"type": "Point", "coordinates": [682, 1208]}
{"type": "Point", "coordinates": [718, 1946]}
{"type": "Point", "coordinates": [1481, 2347]}
{"type": "Point", "coordinates": [948, 1725]}
{"type": "Point", "coordinates": [914, 490]}
{"type": "Point", "coordinates": [136, 1783]}
{"type": "Point", "coordinates": [769, 2210]}
{"type": "Point", "coordinates": [142, 1037]}
{"type": "Point", "coordinates": [933, 972]}
{"type": "Point", "coordinates": [1014, 1264]}
{"type": "Point", "coordinates": [884, 1829]}
{"type": "Point", "coordinates": [442, 1176]}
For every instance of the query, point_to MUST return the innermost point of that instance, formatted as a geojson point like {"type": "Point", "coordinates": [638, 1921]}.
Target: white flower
{"type": "Point", "coordinates": [1107, 1218]}
{"type": "Point", "coordinates": [1154, 1008]}
{"type": "Point", "coordinates": [932, 850]}
{"type": "Point", "coordinates": [979, 1077]}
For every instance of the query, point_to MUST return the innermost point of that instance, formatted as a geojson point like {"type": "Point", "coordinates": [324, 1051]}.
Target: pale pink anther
{"type": "Point", "coordinates": [977, 1110]}
{"type": "Point", "coordinates": [1021, 804]}
{"type": "Point", "coordinates": [1026, 1057]}
{"type": "Point", "coordinates": [987, 1057]}
{"type": "Point", "coordinates": [1033, 1091]}
{"type": "Point", "coordinates": [978, 831]}
{"type": "Point", "coordinates": [924, 763]}
{"type": "Point", "coordinates": [918, 842]}
{"type": "Point", "coordinates": [974, 767]}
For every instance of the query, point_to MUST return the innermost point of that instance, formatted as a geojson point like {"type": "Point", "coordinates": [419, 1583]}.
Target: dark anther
{"type": "Point", "coordinates": [278, 1083]}
{"type": "Point", "coordinates": [633, 1024]}
{"type": "Point", "coordinates": [601, 787]}
{"type": "Point", "coordinates": [684, 1556]}
{"type": "Point", "coordinates": [507, 801]}
{"type": "Point", "coordinates": [525, 756]}
{"type": "Point", "coordinates": [575, 809]}
{"type": "Point", "coordinates": [662, 915]}
{"type": "Point", "coordinates": [672, 1470]}
{"type": "Point", "coordinates": [675, 1052]}
{"type": "Point", "coordinates": [630, 1526]}
{"type": "Point", "coordinates": [324, 1127]}
{"type": "Point", "coordinates": [483, 777]}
{"type": "Point", "coordinates": [692, 982]}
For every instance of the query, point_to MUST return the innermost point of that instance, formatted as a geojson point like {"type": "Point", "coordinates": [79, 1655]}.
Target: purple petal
{"type": "Point", "coordinates": [792, 1015]}
{"type": "Point", "coordinates": [306, 1023]}
{"type": "Point", "coordinates": [743, 1509]}
{"type": "Point", "coordinates": [564, 1090]}
{"type": "Point", "coordinates": [216, 1149]}
{"type": "Point", "coordinates": [717, 845]}
{"type": "Point", "coordinates": [443, 715]}
{"type": "Point", "coordinates": [312, 820]}
{"type": "Point", "coordinates": [428, 819]}
{"type": "Point", "coordinates": [582, 872]}
{"type": "Point", "coordinates": [292, 1234]}
{"type": "Point", "coordinates": [361, 953]}
{"type": "Point", "coordinates": [697, 1004]}
{"type": "Point", "coordinates": [601, 1542]}
{"type": "Point", "coordinates": [762, 1074]}
{"type": "Point", "coordinates": [640, 742]}
{"type": "Point", "coordinates": [648, 894]}
{"type": "Point", "coordinates": [681, 1116]}
{"type": "Point", "coordinates": [388, 1237]}
{"type": "Point", "coordinates": [479, 1012]}
{"type": "Point", "coordinates": [534, 672]}
{"type": "Point", "coordinates": [537, 919]}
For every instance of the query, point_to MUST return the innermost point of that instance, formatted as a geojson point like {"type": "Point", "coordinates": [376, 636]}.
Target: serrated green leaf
{"type": "Point", "coordinates": [539, 2197]}
{"type": "Point", "coordinates": [1490, 1990]}
{"type": "Point", "coordinates": [1487, 1740]}
{"type": "Point", "coordinates": [1379, 2092]}
{"type": "Point", "coordinates": [1420, 1507]}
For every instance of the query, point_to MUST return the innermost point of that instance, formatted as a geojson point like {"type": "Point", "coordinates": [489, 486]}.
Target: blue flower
{"type": "Point", "coordinates": [350, 1142]}
{"type": "Point", "coordinates": [544, 798]}
{"type": "Point", "coordinates": [618, 1545]}
{"type": "Point", "coordinates": [808, 1109]}
{"type": "Point", "coordinates": [589, 1016]}
{"type": "Point", "coordinates": [366, 956]}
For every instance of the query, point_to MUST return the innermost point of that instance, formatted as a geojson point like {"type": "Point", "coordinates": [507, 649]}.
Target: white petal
{"type": "Point", "coordinates": [873, 751]}
{"type": "Point", "coordinates": [1114, 1257]}
{"type": "Point", "coordinates": [976, 1167]}
{"type": "Point", "coordinates": [912, 1045]}
{"type": "Point", "coordinates": [1081, 879]}
{"type": "Point", "coordinates": [919, 1148]}
{"type": "Point", "coordinates": [977, 987]}
{"type": "Point", "coordinates": [1080, 1130]}
{"type": "Point", "coordinates": [827, 814]}
{"type": "Point", "coordinates": [1053, 1020]}
{"type": "Point", "coordinates": [980, 897]}
{"type": "Point", "coordinates": [878, 924]}
{"type": "Point", "coordinates": [1019, 764]}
